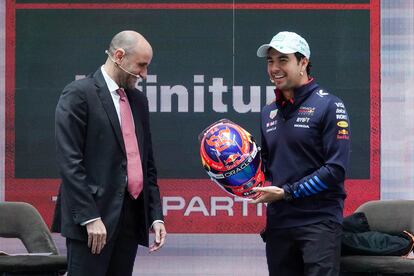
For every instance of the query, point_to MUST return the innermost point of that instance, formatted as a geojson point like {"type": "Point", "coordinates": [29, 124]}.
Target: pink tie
{"type": "Point", "coordinates": [134, 166]}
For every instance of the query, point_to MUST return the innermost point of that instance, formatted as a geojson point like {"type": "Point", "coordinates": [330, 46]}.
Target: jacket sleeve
{"type": "Point", "coordinates": [155, 208]}
{"type": "Point", "coordinates": [264, 152]}
{"type": "Point", "coordinates": [335, 134]}
{"type": "Point", "coordinates": [70, 132]}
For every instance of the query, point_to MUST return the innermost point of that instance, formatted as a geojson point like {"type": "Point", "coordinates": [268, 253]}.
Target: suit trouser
{"type": "Point", "coordinates": [311, 250]}
{"type": "Point", "coordinates": [118, 255]}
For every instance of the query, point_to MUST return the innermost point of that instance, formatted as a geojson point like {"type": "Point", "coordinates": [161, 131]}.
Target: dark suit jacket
{"type": "Point", "coordinates": [92, 161]}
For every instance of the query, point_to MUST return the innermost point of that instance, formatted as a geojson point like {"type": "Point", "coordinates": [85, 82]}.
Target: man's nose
{"type": "Point", "coordinates": [274, 67]}
{"type": "Point", "coordinates": [144, 73]}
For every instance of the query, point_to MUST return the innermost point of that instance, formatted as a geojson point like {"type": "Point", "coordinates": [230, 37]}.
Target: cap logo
{"type": "Point", "coordinates": [279, 37]}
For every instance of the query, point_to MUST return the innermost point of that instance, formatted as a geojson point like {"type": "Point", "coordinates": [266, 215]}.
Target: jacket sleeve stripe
{"type": "Point", "coordinates": [303, 190]}
{"type": "Point", "coordinates": [310, 188]}
{"type": "Point", "coordinates": [316, 186]}
{"type": "Point", "coordinates": [320, 182]}
{"type": "Point", "coordinates": [295, 194]}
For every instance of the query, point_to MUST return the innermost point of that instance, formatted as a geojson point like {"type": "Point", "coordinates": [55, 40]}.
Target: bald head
{"type": "Point", "coordinates": [130, 41]}
{"type": "Point", "coordinates": [129, 56]}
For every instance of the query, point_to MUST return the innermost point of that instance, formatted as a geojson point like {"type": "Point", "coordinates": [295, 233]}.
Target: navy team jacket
{"type": "Point", "coordinates": [305, 151]}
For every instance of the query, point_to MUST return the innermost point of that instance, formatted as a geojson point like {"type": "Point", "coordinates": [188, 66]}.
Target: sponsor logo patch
{"type": "Point", "coordinates": [343, 124]}
{"type": "Point", "coordinates": [273, 114]}
{"type": "Point", "coordinates": [302, 120]}
{"type": "Point", "coordinates": [321, 93]}
{"type": "Point", "coordinates": [306, 111]}
{"type": "Point", "coordinates": [343, 132]}
{"type": "Point", "coordinates": [300, 126]}
{"type": "Point", "coordinates": [342, 137]}
{"type": "Point", "coordinates": [341, 117]}
{"type": "Point", "coordinates": [270, 124]}
{"type": "Point", "coordinates": [270, 129]}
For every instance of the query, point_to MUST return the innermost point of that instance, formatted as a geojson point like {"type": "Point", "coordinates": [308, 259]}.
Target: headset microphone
{"type": "Point", "coordinates": [126, 71]}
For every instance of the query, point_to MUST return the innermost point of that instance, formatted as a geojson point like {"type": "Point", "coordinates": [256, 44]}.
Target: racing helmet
{"type": "Point", "coordinates": [231, 158]}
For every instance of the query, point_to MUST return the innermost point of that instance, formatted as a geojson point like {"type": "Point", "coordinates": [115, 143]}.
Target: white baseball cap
{"type": "Point", "coordinates": [286, 43]}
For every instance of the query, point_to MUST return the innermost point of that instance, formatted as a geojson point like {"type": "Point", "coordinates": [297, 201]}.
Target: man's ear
{"type": "Point", "coordinates": [304, 63]}
{"type": "Point", "coordinates": [119, 54]}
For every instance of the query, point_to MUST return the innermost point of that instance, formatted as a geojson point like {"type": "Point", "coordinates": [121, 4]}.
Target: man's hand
{"type": "Point", "coordinates": [96, 236]}
{"type": "Point", "coordinates": [268, 194]}
{"type": "Point", "coordinates": [160, 234]}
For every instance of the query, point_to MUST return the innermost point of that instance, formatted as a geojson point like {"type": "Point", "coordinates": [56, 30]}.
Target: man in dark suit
{"type": "Point", "coordinates": [109, 197]}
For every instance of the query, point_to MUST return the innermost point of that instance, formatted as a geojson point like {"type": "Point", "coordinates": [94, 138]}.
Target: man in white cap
{"type": "Point", "coordinates": [305, 151]}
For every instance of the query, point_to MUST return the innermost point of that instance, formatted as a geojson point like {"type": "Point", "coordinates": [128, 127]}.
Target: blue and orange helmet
{"type": "Point", "coordinates": [231, 158]}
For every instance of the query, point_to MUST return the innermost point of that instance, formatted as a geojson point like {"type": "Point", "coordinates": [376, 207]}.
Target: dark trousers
{"type": "Point", "coordinates": [118, 255]}
{"type": "Point", "coordinates": [310, 250]}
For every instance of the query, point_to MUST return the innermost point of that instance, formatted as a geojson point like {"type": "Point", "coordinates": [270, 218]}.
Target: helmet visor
{"type": "Point", "coordinates": [240, 175]}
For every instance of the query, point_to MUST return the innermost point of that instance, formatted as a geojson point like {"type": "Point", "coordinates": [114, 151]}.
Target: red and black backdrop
{"type": "Point", "coordinates": [204, 68]}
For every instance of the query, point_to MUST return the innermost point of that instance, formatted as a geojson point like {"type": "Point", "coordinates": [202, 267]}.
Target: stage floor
{"type": "Point", "coordinates": [185, 255]}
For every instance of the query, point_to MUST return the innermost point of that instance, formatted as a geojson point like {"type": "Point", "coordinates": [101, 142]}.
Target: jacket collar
{"type": "Point", "coordinates": [108, 105]}
{"type": "Point", "coordinates": [299, 94]}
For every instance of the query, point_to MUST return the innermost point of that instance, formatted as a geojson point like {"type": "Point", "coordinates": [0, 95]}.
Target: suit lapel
{"type": "Point", "coordinates": [137, 120]}
{"type": "Point", "coordinates": [108, 105]}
